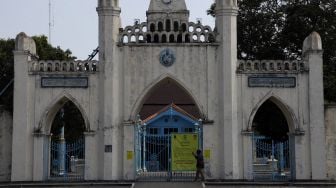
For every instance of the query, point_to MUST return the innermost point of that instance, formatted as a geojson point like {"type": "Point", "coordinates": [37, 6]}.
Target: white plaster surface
{"type": "Point", "coordinates": [6, 123]}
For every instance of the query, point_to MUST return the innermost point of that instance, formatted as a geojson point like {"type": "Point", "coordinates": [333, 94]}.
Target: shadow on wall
{"type": "Point", "coordinates": [6, 132]}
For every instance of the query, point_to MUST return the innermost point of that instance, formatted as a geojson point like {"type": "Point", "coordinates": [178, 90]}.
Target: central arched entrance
{"type": "Point", "coordinates": [67, 146]}
{"type": "Point", "coordinates": [168, 114]}
{"type": "Point", "coordinates": [271, 144]}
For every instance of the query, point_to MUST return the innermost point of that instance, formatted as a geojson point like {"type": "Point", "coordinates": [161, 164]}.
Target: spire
{"type": "Point", "coordinates": [175, 9]}
{"type": "Point", "coordinates": [167, 5]}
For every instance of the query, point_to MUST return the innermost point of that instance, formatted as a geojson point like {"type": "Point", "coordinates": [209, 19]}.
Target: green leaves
{"type": "Point", "coordinates": [276, 29]}
{"type": "Point", "coordinates": [45, 52]}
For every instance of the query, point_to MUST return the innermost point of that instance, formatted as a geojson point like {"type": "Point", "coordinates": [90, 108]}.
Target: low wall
{"type": "Point", "coordinates": [6, 129]}
{"type": "Point", "coordinates": [330, 123]}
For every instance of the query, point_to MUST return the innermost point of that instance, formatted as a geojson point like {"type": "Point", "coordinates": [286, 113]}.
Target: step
{"type": "Point", "coordinates": [243, 184]}
{"type": "Point", "coordinates": [100, 184]}
{"type": "Point", "coordinates": [168, 185]}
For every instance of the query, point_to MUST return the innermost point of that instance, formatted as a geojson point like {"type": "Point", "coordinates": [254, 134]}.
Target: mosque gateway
{"type": "Point", "coordinates": [160, 90]}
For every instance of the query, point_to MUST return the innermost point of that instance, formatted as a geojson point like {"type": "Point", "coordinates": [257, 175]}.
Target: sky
{"type": "Point", "coordinates": [75, 22]}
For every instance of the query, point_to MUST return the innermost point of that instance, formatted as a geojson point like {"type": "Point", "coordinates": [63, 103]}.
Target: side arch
{"type": "Point", "coordinates": [145, 94]}
{"type": "Point", "coordinates": [285, 109]}
{"type": "Point", "coordinates": [49, 114]}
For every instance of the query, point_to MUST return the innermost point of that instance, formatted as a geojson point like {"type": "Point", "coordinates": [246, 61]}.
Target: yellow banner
{"type": "Point", "coordinates": [182, 147]}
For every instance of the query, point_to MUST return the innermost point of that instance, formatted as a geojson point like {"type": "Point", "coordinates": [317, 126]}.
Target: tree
{"type": "Point", "coordinates": [6, 71]}
{"type": "Point", "coordinates": [276, 29]}
{"type": "Point", "coordinates": [45, 52]}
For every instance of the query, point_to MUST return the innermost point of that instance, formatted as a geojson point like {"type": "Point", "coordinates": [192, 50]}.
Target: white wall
{"type": "Point", "coordinates": [6, 128]}
{"type": "Point", "coordinates": [330, 123]}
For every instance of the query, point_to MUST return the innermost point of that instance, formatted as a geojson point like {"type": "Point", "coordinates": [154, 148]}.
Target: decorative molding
{"type": "Point", "coordinates": [63, 67]}
{"type": "Point", "coordinates": [187, 32]}
{"type": "Point", "coordinates": [271, 66]}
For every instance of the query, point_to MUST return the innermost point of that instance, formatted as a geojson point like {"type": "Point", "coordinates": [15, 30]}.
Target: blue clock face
{"type": "Point", "coordinates": [167, 57]}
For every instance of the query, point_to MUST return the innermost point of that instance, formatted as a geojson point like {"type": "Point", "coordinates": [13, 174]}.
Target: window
{"type": "Point", "coordinates": [153, 131]}
{"type": "Point", "coordinates": [188, 130]}
{"type": "Point", "coordinates": [170, 130]}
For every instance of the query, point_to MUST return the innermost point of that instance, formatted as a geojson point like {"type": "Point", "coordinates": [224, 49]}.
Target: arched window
{"type": "Point", "coordinates": [156, 38]}
{"type": "Point", "coordinates": [125, 39]}
{"type": "Point", "coordinates": [160, 26]}
{"type": "Point", "coordinates": [164, 38]}
{"type": "Point", "coordinates": [184, 27]}
{"type": "Point", "coordinates": [179, 38]}
{"type": "Point", "coordinates": [152, 27]}
{"type": "Point", "coordinates": [133, 39]}
{"type": "Point", "coordinates": [176, 26]}
{"type": "Point", "coordinates": [141, 38]}
{"type": "Point", "coordinates": [64, 67]}
{"type": "Point", "coordinates": [168, 26]}
{"type": "Point", "coordinates": [149, 38]}
{"type": "Point", "coordinates": [202, 38]}
{"type": "Point", "coordinates": [187, 38]}
{"type": "Point", "coordinates": [171, 38]}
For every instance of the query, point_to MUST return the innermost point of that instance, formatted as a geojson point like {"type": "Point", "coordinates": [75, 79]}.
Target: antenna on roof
{"type": "Point", "coordinates": [51, 21]}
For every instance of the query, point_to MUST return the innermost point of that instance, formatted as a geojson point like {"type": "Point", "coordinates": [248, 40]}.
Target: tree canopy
{"type": "Point", "coordinates": [45, 51]}
{"type": "Point", "coordinates": [276, 29]}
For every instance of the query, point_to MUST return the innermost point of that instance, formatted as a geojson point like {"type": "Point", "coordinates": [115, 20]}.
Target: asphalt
{"type": "Point", "coordinates": [217, 184]}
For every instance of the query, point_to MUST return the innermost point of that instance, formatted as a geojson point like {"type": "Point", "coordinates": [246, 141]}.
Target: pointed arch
{"type": "Point", "coordinates": [145, 94]}
{"type": "Point", "coordinates": [285, 109]}
{"type": "Point", "coordinates": [50, 112]}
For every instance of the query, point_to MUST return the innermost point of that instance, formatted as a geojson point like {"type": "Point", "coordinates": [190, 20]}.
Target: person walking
{"type": "Point", "coordinates": [199, 164]}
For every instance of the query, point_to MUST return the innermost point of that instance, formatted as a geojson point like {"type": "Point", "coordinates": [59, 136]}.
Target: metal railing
{"type": "Point", "coordinates": [67, 160]}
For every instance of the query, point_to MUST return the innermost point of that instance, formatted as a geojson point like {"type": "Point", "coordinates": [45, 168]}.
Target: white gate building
{"type": "Point", "coordinates": [200, 63]}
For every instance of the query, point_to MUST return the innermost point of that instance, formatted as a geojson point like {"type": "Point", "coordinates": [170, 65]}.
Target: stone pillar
{"type": "Point", "coordinates": [312, 52]}
{"type": "Point", "coordinates": [110, 88]}
{"type": "Point", "coordinates": [129, 153]}
{"type": "Point", "coordinates": [41, 160]}
{"type": "Point", "coordinates": [226, 24]}
{"type": "Point", "coordinates": [22, 130]}
{"type": "Point", "coordinates": [248, 154]}
{"type": "Point", "coordinates": [91, 160]}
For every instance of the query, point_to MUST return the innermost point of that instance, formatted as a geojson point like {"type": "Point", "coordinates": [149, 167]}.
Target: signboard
{"type": "Point", "coordinates": [207, 154]}
{"type": "Point", "coordinates": [182, 147]}
{"type": "Point", "coordinates": [129, 155]}
{"type": "Point", "coordinates": [66, 82]}
{"type": "Point", "coordinates": [271, 81]}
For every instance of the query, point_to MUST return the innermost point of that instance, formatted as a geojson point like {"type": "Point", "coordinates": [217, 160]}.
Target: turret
{"type": "Point", "coordinates": [25, 50]}
{"type": "Point", "coordinates": [171, 9]}
{"type": "Point", "coordinates": [110, 88]}
{"type": "Point", "coordinates": [313, 55]}
{"type": "Point", "coordinates": [226, 24]}
{"type": "Point", "coordinates": [109, 24]}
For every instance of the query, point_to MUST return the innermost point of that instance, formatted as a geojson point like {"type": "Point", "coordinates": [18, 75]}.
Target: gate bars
{"type": "Point", "coordinates": [271, 159]}
{"type": "Point", "coordinates": [153, 157]}
{"type": "Point", "coordinates": [67, 160]}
